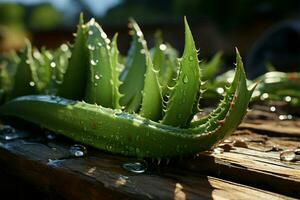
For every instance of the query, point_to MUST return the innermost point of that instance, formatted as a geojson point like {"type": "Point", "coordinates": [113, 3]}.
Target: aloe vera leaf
{"type": "Point", "coordinates": [43, 71]}
{"type": "Point", "coordinates": [23, 82]}
{"type": "Point", "coordinates": [152, 98]}
{"type": "Point", "coordinates": [278, 86]}
{"type": "Point", "coordinates": [132, 76]}
{"type": "Point", "coordinates": [99, 88]}
{"type": "Point", "coordinates": [129, 134]}
{"type": "Point", "coordinates": [5, 82]}
{"type": "Point", "coordinates": [60, 63]}
{"type": "Point", "coordinates": [230, 94]}
{"type": "Point", "coordinates": [74, 83]}
{"type": "Point", "coordinates": [183, 96]}
{"type": "Point", "coordinates": [164, 58]}
{"type": "Point", "coordinates": [10, 60]}
{"type": "Point", "coordinates": [115, 71]}
{"type": "Point", "coordinates": [158, 55]}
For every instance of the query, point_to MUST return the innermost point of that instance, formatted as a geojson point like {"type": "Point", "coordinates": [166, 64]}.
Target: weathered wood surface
{"type": "Point", "coordinates": [246, 166]}
{"type": "Point", "coordinates": [252, 154]}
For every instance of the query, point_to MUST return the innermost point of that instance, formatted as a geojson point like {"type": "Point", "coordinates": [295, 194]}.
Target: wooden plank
{"type": "Point", "coordinates": [251, 156]}
{"type": "Point", "coordinates": [49, 166]}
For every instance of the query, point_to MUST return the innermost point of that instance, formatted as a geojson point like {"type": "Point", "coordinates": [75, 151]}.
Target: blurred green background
{"type": "Point", "coordinates": [216, 25]}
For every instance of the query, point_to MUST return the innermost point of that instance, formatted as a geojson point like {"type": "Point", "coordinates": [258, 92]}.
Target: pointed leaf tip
{"type": "Point", "coordinates": [186, 25]}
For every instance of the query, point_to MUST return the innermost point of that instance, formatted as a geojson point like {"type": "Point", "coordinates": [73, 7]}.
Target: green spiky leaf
{"type": "Point", "coordinates": [133, 74]}
{"type": "Point", "coordinates": [76, 73]}
{"type": "Point", "coordinates": [187, 87]}
{"type": "Point", "coordinates": [100, 88]}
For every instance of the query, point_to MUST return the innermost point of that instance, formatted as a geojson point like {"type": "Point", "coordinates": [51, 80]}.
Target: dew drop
{"type": "Point", "coordinates": [91, 47]}
{"type": "Point", "coordinates": [78, 150]}
{"type": "Point", "coordinates": [139, 33]}
{"type": "Point", "coordinates": [97, 77]}
{"type": "Point", "coordinates": [282, 117]}
{"type": "Point", "coordinates": [32, 84]}
{"type": "Point", "coordinates": [185, 79]}
{"type": "Point", "coordinates": [53, 64]}
{"type": "Point", "coordinates": [90, 32]}
{"type": "Point", "coordinates": [137, 167]}
{"type": "Point", "coordinates": [92, 21]}
{"type": "Point", "coordinates": [163, 47]}
{"type": "Point", "coordinates": [264, 96]}
{"type": "Point", "coordinates": [94, 62]}
{"type": "Point", "coordinates": [107, 40]}
{"type": "Point", "coordinates": [288, 99]}
{"type": "Point", "coordinates": [99, 44]}
{"type": "Point", "coordinates": [290, 155]}
{"type": "Point", "coordinates": [50, 135]}
{"type": "Point", "coordinates": [8, 133]}
{"type": "Point", "coordinates": [64, 47]}
{"type": "Point", "coordinates": [272, 108]}
{"type": "Point", "coordinates": [191, 58]}
{"type": "Point", "coordinates": [220, 90]}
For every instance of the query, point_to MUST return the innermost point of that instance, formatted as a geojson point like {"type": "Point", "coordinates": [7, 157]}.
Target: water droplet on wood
{"type": "Point", "coordinates": [78, 150]}
{"type": "Point", "coordinates": [290, 155]}
{"type": "Point", "coordinates": [137, 167]}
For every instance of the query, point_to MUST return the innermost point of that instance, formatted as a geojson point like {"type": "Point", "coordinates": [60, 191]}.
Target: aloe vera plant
{"type": "Point", "coordinates": [280, 86]}
{"type": "Point", "coordinates": [151, 122]}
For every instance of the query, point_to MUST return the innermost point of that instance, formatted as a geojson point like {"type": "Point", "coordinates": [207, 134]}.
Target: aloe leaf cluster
{"type": "Point", "coordinates": [146, 110]}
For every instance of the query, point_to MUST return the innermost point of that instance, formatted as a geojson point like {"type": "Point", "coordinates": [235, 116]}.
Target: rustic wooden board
{"type": "Point", "coordinates": [100, 176]}
{"type": "Point", "coordinates": [246, 166]}
{"type": "Point", "coordinates": [252, 155]}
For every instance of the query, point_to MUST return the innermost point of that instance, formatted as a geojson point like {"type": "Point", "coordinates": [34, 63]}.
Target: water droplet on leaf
{"type": "Point", "coordinates": [90, 32]}
{"type": "Point", "coordinates": [53, 64]}
{"type": "Point", "coordinates": [97, 77]}
{"type": "Point", "coordinates": [220, 90]}
{"type": "Point", "coordinates": [32, 84]}
{"type": "Point", "coordinates": [94, 62]}
{"type": "Point", "coordinates": [185, 79]}
{"type": "Point", "coordinates": [91, 47]}
{"type": "Point", "coordinates": [139, 33]}
{"type": "Point", "coordinates": [103, 35]}
{"type": "Point", "coordinates": [163, 47]}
